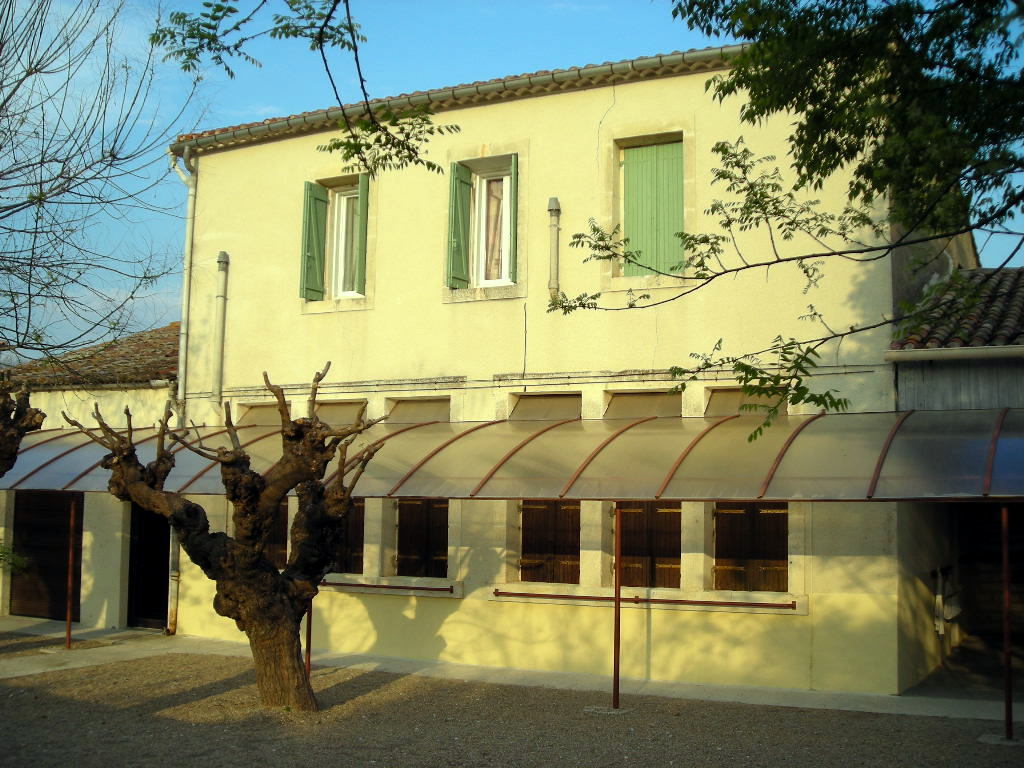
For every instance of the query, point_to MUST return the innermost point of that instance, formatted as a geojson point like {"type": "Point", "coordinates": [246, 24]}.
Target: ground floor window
{"type": "Point", "coordinates": [349, 556]}
{"type": "Point", "coordinates": [423, 538]}
{"type": "Point", "coordinates": [550, 541]}
{"type": "Point", "coordinates": [651, 543]}
{"type": "Point", "coordinates": [751, 547]}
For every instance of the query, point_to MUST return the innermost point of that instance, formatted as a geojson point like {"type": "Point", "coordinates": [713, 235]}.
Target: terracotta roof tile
{"type": "Point", "coordinates": [136, 359]}
{"type": "Point", "coordinates": [476, 83]}
{"type": "Point", "coordinates": [987, 312]}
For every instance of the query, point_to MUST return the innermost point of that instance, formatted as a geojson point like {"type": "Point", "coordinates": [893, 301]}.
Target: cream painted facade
{"type": "Point", "coordinates": [856, 616]}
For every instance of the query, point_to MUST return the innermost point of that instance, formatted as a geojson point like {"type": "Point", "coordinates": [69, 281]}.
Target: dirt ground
{"type": "Point", "coordinates": [185, 710]}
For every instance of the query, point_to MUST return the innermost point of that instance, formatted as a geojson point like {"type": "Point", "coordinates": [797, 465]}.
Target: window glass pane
{"type": "Point", "coordinates": [550, 542]}
{"type": "Point", "coordinates": [751, 547]}
{"type": "Point", "coordinates": [351, 243]}
{"type": "Point", "coordinates": [1008, 468]}
{"type": "Point", "coordinates": [492, 228]}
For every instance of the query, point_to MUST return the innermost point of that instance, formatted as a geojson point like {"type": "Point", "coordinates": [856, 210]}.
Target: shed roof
{"type": "Point", "coordinates": [987, 312]}
{"type": "Point", "coordinates": [135, 359]}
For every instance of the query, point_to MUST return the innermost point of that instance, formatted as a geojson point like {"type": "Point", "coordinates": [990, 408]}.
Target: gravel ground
{"type": "Point", "coordinates": [190, 709]}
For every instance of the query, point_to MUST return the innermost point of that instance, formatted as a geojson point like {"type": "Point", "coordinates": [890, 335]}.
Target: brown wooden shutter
{"type": "Point", "coordinates": [349, 556]}
{"type": "Point", "coordinates": [423, 538]}
{"type": "Point", "coordinates": [550, 549]}
{"type": "Point", "coordinates": [651, 545]}
{"type": "Point", "coordinates": [751, 547]}
{"type": "Point", "coordinates": [276, 545]}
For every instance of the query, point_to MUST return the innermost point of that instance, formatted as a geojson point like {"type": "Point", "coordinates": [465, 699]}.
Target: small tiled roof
{"type": "Point", "coordinates": [986, 312]}
{"type": "Point", "coordinates": [481, 91]}
{"type": "Point", "coordinates": [136, 359]}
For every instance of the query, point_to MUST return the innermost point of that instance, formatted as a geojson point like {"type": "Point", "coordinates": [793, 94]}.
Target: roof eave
{"type": "Point", "coordinates": [451, 98]}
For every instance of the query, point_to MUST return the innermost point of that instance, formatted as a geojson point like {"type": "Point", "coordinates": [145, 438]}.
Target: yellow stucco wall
{"type": "Point", "coordinates": [147, 405]}
{"type": "Point", "coordinates": [249, 204]}
{"type": "Point", "coordinates": [411, 335]}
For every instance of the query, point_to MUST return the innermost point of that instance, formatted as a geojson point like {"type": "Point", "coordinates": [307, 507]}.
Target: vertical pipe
{"type": "Point", "coordinates": [616, 647]}
{"type": "Point", "coordinates": [186, 277]}
{"type": "Point", "coordinates": [554, 214]}
{"type": "Point", "coordinates": [71, 571]}
{"type": "Point", "coordinates": [1007, 657]}
{"type": "Point", "coordinates": [309, 636]}
{"type": "Point", "coordinates": [219, 318]}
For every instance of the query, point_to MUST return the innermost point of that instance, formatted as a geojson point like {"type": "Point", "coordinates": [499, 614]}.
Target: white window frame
{"type": "Point", "coordinates": [338, 225]}
{"type": "Point", "coordinates": [479, 227]}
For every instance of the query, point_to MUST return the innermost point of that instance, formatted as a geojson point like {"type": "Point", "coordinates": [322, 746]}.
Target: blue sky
{"type": "Point", "coordinates": [412, 45]}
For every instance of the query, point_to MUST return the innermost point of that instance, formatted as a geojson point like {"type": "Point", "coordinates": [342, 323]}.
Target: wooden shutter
{"type": "Point", "coordinates": [550, 550]}
{"type": "Point", "coordinates": [653, 205]}
{"type": "Point", "coordinates": [458, 227]}
{"type": "Point", "coordinates": [752, 548]}
{"type": "Point", "coordinates": [651, 544]}
{"type": "Point", "coordinates": [423, 538]}
{"type": "Point", "coordinates": [276, 545]}
{"type": "Point", "coordinates": [348, 556]}
{"type": "Point", "coordinates": [363, 210]}
{"type": "Point", "coordinates": [513, 202]}
{"type": "Point", "coordinates": [314, 239]}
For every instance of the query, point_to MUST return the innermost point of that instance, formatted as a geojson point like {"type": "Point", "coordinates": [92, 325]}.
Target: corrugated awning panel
{"type": "Point", "coordinates": [883, 456]}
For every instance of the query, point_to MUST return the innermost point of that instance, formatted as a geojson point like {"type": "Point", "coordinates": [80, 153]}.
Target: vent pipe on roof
{"type": "Point", "coordinates": [555, 213]}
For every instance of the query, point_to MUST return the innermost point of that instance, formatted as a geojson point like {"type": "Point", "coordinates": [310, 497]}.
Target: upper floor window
{"type": "Point", "coordinates": [334, 240]}
{"type": "Point", "coordinates": [482, 222]}
{"type": "Point", "coordinates": [652, 206]}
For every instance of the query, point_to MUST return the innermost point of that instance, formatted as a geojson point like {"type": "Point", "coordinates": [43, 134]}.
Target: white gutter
{"type": "Point", "coordinates": [186, 277]}
{"type": "Point", "coordinates": [189, 180]}
{"type": "Point", "coordinates": [1011, 351]}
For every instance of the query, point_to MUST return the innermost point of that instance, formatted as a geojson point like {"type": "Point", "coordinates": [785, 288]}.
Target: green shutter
{"type": "Point", "coordinates": [314, 237]}
{"type": "Point", "coordinates": [512, 218]}
{"type": "Point", "coordinates": [458, 227]}
{"type": "Point", "coordinates": [653, 205]}
{"type": "Point", "coordinates": [363, 214]}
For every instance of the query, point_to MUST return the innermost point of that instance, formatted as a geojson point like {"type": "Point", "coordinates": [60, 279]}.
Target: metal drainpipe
{"type": "Point", "coordinates": [555, 213]}
{"type": "Point", "coordinates": [218, 338]}
{"type": "Point", "coordinates": [189, 180]}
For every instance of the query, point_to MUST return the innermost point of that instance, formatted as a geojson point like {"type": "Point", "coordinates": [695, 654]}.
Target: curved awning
{"type": "Point", "coordinates": [912, 455]}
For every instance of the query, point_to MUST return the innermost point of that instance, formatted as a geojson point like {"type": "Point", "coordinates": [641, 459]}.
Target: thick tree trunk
{"type": "Point", "coordinates": [280, 669]}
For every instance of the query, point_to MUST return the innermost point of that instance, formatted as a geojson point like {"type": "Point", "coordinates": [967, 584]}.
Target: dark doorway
{"type": "Point", "coordinates": [148, 569]}
{"type": "Point", "coordinates": [41, 531]}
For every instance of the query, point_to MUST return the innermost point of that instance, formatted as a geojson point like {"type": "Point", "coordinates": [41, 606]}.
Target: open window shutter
{"type": "Point", "coordinates": [364, 209]}
{"type": "Point", "coordinates": [314, 237]}
{"type": "Point", "coordinates": [513, 217]}
{"type": "Point", "coordinates": [458, 227]}
{"type": "Point", "coordinates": [668, 203]}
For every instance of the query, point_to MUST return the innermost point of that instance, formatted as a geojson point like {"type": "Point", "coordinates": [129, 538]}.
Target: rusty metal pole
{"type": "Point", "coordinates": [71, 572]}
{"type": "Point", "coordinates": [616, 646]}
{"type": "Point", "coordinates": [309, 636]}
{"type": "Point", "coordinates": [1007, 657]}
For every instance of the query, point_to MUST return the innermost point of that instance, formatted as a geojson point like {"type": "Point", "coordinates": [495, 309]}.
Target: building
{"type": "Point", "coordinates": [811, 558]}
{"type": "Point", "coordinates": [121, 563]}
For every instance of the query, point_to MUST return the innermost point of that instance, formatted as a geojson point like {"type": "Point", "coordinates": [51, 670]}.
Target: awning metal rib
{"type": "Point", "coordinates": [920, 455]}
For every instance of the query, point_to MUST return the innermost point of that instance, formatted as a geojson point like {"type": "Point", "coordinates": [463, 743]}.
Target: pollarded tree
{"type": "Point", "coordinates": [17, 419]}
{"type": "Point", "coordinates": [266, 604]}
